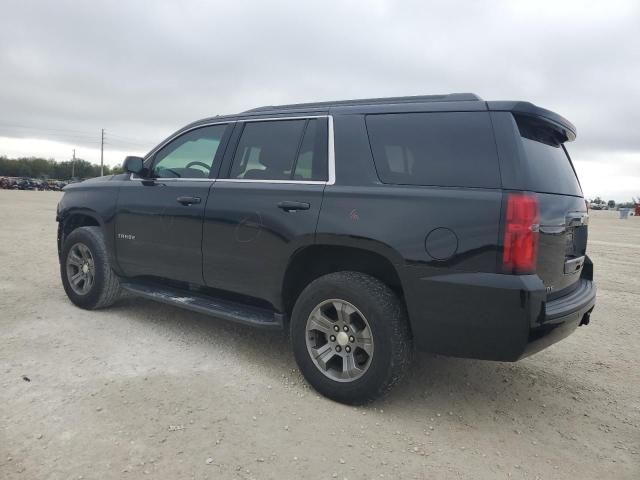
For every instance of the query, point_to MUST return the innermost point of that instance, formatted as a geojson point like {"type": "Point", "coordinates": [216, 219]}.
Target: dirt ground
{"type": "Point", "coordinates": [143, 390]}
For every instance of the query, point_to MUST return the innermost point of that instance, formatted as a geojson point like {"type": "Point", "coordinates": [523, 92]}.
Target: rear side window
{"type": "Point", "coordinates": [549, 166]}
{"type": "Point", "coordinates": [282, 150]}
{"type": "Point", "coordinates": [454, 149]}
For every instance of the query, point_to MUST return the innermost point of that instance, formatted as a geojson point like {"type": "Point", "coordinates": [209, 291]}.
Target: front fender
{"type": "Point", "coordinates": [90, 204]}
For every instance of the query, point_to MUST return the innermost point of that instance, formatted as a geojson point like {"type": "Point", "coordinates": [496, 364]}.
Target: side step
{"type": "Point", "coordinates": [219, 308]}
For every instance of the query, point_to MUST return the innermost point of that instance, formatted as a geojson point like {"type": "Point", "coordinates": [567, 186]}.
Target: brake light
{"type": "Point", "coordinates": [520, 234]}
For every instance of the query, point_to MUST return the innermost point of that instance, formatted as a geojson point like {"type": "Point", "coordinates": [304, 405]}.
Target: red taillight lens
{"type": "Point", "coordinates": [520, 233]}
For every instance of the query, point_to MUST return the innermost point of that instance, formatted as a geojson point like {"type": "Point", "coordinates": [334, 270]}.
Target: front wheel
{"type": "Point", "coordinates": [86, 274]}
{"type": "Point", "coordinates": [350, 337]}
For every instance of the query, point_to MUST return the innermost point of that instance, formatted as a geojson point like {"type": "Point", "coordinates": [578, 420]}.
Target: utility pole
{"type": "Point", "coordinates": [102, 153]}
{"type": "Point", "coordinates": [73, 164]}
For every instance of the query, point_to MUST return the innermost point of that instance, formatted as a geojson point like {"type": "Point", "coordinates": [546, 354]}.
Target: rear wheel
{"type": "Point", "coordinates": [350, 337]}
{"type": "Point", "coordinates": [86, 274]}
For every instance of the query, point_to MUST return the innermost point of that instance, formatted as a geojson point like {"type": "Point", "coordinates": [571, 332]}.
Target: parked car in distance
{"type": "Point", "coordinates": [6, 182]}
{"type": "Point", "coordinates": [24, 184]}
{"type": "Point", "coordinates": [56, 185]}
{"type": "Point", "coordinates": [367, 228]}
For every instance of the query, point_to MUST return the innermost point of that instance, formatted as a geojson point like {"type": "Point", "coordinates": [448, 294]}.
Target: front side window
{"type": "Point", "coordinates": [189, 156]}
{"type": "Point", "coordinates": [282, 150]}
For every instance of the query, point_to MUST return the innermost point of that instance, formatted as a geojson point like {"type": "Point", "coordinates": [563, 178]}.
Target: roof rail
{"type": "Point", "coordinates": [451, 97]}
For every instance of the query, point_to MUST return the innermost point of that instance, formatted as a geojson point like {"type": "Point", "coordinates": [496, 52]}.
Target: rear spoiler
{"type": "Point", "coordinates": [555, 121]}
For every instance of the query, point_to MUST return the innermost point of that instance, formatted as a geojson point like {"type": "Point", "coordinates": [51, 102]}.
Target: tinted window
{"type": "Point", "coordinates": [549, 166]}
{"type": "Point", "coordinates": [190, 155]}
{"type": "Point", "coordinates": [311, 163]}
{"type": "Point", "coordinates": [281, 150]}
{"type": "Point", "coordinates": [444, 149]}
{"type": "Point", "coordinates": [267, 150]}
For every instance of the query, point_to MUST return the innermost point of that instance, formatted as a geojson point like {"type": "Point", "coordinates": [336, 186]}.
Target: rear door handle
{"type": "Point", "coordinates": [288, 206]}
{"type": "Point", "coordinates": [188, 200]}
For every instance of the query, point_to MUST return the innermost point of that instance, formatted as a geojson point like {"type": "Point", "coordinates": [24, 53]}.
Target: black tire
{"type": "Point", "coordinates": [105, 289]}
{"type": "Point", "coordinates": [387, 319]}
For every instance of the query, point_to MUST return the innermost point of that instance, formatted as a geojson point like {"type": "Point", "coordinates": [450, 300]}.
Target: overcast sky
{"type": "Point", "coordinates": [143, 69]}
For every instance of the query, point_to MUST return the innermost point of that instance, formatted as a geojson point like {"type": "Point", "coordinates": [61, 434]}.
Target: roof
{"type": "Point", "coordinates": [446, 102]}
{"type": "Point", "coordinates": [451, 97]}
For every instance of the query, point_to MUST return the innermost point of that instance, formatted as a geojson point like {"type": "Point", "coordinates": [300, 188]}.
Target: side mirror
{"type": "Point", "coordinates": [133, 164]}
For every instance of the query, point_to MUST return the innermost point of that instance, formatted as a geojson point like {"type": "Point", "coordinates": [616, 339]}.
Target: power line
{"type": "Point", "coordinates": [44, 129]}
{"type": "Point", "coordinates": [123, 137]}
{"type": "Point", "coordinates": [73, 135]}
{"type": "Point", "coordinates": [47, 134]}
{"type": "Point", "coordinates": [111, 138]}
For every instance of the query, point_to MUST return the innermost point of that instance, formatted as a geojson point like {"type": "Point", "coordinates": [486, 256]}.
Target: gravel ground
{"type": "Point", "coordinates": [143, 390]}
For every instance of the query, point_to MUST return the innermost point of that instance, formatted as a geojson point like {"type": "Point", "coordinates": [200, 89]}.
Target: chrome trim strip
{"type": "Point", "coordinates": [573, 266]}
{"type": "Point", "coordinates": [577, 219]}
{"type": "Point", "coordinates": [270, 119]}
{"type": "Point", "coordinates": [161, 180]}
{"type": "Point", "coordinates": [331, 154]}
{"type": "Point", "coordinates": [255, 180]}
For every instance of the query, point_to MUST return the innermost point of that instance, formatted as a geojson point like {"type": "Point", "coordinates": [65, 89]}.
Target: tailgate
{"type": "Point", "coordinates": [563, 217]}
{"type": "Point", "coordinates": [562, 241]}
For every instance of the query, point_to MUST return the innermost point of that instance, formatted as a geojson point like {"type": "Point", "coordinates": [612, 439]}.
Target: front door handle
{"type": "Point", "coordinates": [288, 206]}
{"type": "Point", "coordinates": [189, 200]}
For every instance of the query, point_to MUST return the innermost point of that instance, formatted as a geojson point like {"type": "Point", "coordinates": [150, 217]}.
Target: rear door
{"type": "Point", "coordinates": [563, 215]}
{"type": "Point", "coordinates": [267, 207]}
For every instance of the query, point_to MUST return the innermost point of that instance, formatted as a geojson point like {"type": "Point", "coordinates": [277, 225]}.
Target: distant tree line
{"type": "Point", "coordinates": [43, 168]}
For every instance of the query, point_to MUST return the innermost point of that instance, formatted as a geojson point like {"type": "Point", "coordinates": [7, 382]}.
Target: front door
{"type": "Point", "coordinates": [268, 205]}
{"type": "Point", "coordinates": [159, 217]}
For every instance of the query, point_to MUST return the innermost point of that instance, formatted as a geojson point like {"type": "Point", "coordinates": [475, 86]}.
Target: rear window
{"type": "Point", "coordinates": [550, 169]}
{"type": "Point", "coordinates": [454, 149]}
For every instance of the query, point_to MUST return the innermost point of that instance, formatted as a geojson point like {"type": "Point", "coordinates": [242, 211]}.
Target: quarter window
{"type": "Point", "coordinates": [191, 155]}
{"type": "Point", "coordinates": [282, 150]}
{"type": "Point", "coordinates": [454, 149]}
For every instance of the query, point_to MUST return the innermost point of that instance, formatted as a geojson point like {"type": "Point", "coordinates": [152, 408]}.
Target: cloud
{"type": "Point", "coordinates": [142, 70]}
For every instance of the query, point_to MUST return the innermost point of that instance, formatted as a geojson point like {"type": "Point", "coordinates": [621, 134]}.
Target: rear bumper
{"type": "Point", "coordinates": [491, 316]}
{"type": "Point", "coordinates": [562, 316]}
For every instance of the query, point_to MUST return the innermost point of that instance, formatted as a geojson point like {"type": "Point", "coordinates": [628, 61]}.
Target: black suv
{"type": "Point", "coordinates": [367, 228]}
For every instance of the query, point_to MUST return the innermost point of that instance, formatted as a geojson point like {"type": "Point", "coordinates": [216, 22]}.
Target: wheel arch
{"type": "Point", "coordinates": [73, 219]}
{"type": "Point", "coordinates": [313, 261]}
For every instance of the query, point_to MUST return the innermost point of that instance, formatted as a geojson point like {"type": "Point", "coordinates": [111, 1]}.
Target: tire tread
{"type": "Point", "coordinates": [110, 286]}
{"type": "Point", "coordinates": [384, 300]}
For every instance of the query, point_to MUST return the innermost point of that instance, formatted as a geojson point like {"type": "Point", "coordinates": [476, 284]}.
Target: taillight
{"type": "Point", "coordinates": [520, 233]}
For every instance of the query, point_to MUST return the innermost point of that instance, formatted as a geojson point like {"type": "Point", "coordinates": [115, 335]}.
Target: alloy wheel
{"type": "Point", "coordinates": [80, 268]}
{"type": "Point", "coordinates": [339, 340]}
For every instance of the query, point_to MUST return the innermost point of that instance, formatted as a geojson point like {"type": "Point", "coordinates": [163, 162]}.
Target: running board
{"type": "Point", "coordinates": [216, 307]}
